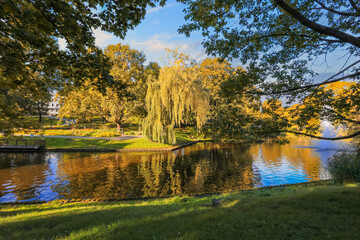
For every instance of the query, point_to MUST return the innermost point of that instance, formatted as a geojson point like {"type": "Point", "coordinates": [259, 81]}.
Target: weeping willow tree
{"type": "Point", "coordinates": [173, 98]}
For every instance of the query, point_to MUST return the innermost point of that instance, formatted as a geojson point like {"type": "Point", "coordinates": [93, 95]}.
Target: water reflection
{"type": "Point", "coordinates": [198, 169]}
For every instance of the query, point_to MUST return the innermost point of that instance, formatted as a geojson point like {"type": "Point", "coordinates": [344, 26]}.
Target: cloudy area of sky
{"type": "Point", "coordinates": [156, 32]}
{"type": "Point", "coordinates": [159, 31]}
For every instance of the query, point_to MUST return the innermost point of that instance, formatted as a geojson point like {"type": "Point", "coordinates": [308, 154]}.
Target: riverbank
{"type": "Point", "coordinates": [318, 210]}
{"type": "Point", "coordinates": [113, 144]}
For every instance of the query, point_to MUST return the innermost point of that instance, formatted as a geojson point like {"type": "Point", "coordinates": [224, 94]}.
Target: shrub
{"type": "Point", "coordinates": [345, 167]}
{"type": "Point", "coordinates": [104, 134]}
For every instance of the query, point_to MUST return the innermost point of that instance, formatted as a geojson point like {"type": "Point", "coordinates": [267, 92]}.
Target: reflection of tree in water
{"type": "Point", "coordinates": [115, 176]}
{"type": "Point", "coordinates": [200, 169]}
{"type": "Point", "coordinates": [22, 173]}
{"type": "Point", "coordinates": [197, 169]}
{"type": "Point", "coordinates": [101, 176]}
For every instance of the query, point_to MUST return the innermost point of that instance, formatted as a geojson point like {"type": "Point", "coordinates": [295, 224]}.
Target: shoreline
{"type": "Point", "coordinates": [168, 149]}
{"type": "Point", "coordinates": [203, 195]}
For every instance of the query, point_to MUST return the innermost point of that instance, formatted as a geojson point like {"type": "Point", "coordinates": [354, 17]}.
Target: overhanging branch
{"type": "Point", "coordinates": [307, 86]}
{"type": "Point", "coordinates": [318, 27]}
{"type": "Point", "coordinates": [342, 117]}
{"type": "Point", "coordinates": [323, 138]}
{"type": "Point", "coordinates": [333, 10]}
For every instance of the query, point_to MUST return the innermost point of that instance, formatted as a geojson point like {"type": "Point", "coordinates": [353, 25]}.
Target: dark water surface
{"type": "Point", "coordinates": [201, 168]}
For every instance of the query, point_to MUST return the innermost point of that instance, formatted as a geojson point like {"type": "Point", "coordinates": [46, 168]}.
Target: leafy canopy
{"type": "Point", "coordinates": [278, 40]}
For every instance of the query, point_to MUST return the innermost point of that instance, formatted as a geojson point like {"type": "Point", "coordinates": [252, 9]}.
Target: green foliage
{"type": "Point", "coordinates": [344, 167]}
{"type": "Point", "coordinates": [117, 102]}
{"type": "Point", "coordinates": [235, 115]}
{"type": "Point", "coordinates": [32, 63]}
{"type": "Point", "coordinates": [171, 99]}
{"type": "Point", "coordinates": [279, 40]}
{"type": "Point", "coordinates": [127, 70]}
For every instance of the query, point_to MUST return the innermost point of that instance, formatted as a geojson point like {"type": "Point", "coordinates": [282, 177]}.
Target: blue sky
{"type": "Point", "coordinates": [159, 31]}
{"type": "Point", "coordinates": [156, 32]}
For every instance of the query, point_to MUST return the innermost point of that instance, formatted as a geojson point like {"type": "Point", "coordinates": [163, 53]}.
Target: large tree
{"type": "Point", "coordinates": [29, 43]}
{"type": "Point", "coordinates": [277, 40]}
{"type": "Point", "coordinates": [171, 99]}
{"type": "Point", "coordinates": [128, 70]}
{"type": "Point", "coordinates": [116, 102]}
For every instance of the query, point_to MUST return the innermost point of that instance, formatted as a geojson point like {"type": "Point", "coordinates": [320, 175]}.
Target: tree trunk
{"type": "Point", "coordinates": [118, 127]}
{"type": "Point", "coordinates": [39, 112]}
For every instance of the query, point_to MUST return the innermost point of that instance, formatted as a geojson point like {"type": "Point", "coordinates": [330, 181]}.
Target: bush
{"type": "Point", "coordinates": [104, 134]}
{"type": "Point", "coordinates": [345, 167]}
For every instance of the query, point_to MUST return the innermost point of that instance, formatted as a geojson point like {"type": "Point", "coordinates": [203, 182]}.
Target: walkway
{"type": "Point", "coordinates": [124, 137]}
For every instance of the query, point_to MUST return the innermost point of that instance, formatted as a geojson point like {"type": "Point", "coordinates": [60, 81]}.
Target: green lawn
{"type": "Point", "coordinates": [99, 143]}
{"type": "Point", "coordinates": [310, 211]}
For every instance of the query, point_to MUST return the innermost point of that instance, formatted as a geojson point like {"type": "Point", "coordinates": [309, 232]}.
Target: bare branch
{"type": "Point", "coordinates": [323, 138]}
{"type": "Point", "coordinates": [318, 27]}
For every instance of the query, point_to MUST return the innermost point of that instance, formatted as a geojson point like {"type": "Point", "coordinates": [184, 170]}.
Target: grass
{"type": "Point", "coordinates": [139, 143]}
{"type": "Point", "coordinates": [309, 211]}
{"type": "Point", "coordinates": [183, 136]}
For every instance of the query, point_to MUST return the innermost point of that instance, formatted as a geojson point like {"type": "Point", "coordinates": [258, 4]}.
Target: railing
{"type": "Point", "coordinates": [23, 142]}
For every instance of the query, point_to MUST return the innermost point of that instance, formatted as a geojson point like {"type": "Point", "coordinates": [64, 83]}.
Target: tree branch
{"type": "Point", "coordinates": [318, 27]}
{"type": "Point", "coordinates": [308, 86]}
{"type": "Point", "coordinates": [342, 117]}
{"type": "Point", "coordinates": [342, 71]}
{"type": "Point", "coordinates": [323, 138]}
{"type": "Point", "coordinates": [334, 11]}
{"type": "Point", "coordinates": [353, 4]}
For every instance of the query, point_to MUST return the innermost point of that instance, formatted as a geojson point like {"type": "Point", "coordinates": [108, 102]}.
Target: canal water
{"type": "Point", "coordinates": [197, 169]}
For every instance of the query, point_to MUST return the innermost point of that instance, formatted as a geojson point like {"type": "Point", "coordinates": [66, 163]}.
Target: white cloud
{"type": "Point", "coordinates": [154, 47]}
{"type": "Point", "coordinates": [155, 22]}
{"type": "Point", "coordinates": [62, 43]}
{"type": "Point", "coordinates": [156, 9]}
{"type": "Point", "coordinates": [103, 39]}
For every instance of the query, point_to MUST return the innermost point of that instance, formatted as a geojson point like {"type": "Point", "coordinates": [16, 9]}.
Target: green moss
{"type": "Point", "coordinates": [311, 211]}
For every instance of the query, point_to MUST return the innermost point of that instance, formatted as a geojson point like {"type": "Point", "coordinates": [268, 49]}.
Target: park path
{"type": "Point", "coordinates": [124, 137]}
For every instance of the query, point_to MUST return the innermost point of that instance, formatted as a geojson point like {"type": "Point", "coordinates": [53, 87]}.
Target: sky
{"type": "Point", "coordinates": [156, 32]}
{"type": "Point", "coordinates": [159, 31]}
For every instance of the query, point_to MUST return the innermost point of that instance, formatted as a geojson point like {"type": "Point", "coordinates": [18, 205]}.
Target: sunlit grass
{"type": "Point", "coordinates": [102, 143]}
{"type": "Point", "coordinates": [311, 211]}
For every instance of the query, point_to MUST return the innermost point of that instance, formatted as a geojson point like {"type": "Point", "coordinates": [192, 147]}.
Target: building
{"type": "Point", "coordinates": [53, 107]}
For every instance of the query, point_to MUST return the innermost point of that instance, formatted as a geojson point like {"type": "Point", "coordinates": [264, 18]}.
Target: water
{"type": "Point", "coordinates": [198, 169]}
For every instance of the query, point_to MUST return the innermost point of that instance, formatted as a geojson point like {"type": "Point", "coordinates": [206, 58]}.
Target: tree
{"type": "Point", "coordinates": [128, 71]}
{"type": "Point", "coordinates": [82, 103]}
{"type": "Point", "coordinates": [278, 39]}
{"type": "Point", "coordinates": [30, 35]}
{"type": "Point", "coordinates": [172, 98]}
{"type": "Point", "coordinates": [116, 102]}
{"type": "Point", "coordinates": [235, 115]}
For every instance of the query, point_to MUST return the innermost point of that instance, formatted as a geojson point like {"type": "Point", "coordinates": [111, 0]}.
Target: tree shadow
{"type": "Point", "coordinates": [313, 214]}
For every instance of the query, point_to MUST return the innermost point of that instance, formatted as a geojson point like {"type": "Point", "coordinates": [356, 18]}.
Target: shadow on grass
{"type": "Point", "coordinates": [318, 214]}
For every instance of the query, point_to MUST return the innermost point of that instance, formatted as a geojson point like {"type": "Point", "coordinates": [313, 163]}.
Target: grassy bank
{"type": "Point", "coordinates": [183, 137]}
{"type": "Point", "coordinates": [138, 143]}
{"type": "Point", "coordinates": [311, 211]}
